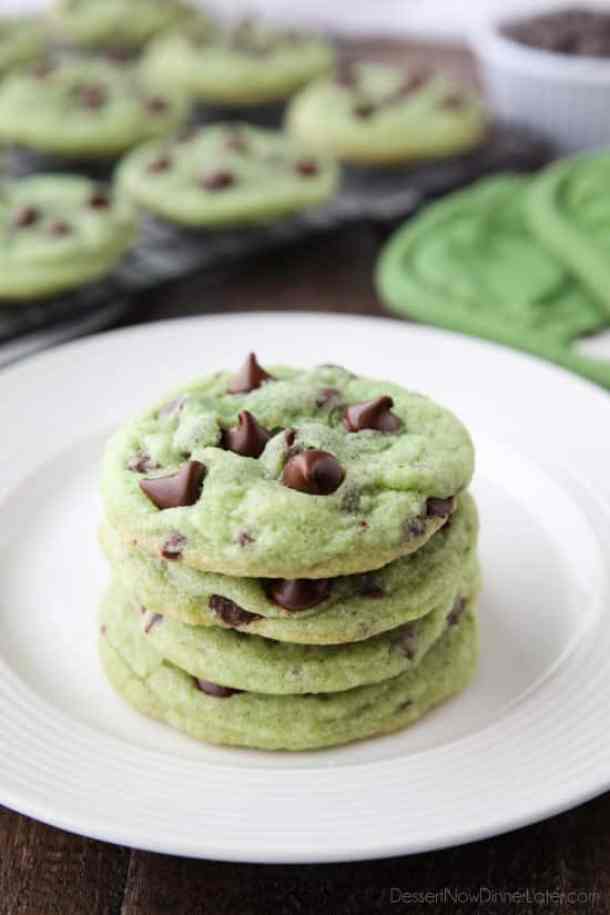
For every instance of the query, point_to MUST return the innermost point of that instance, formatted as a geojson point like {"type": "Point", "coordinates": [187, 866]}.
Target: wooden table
{"type": "Point", "coordinates": [560, 866]}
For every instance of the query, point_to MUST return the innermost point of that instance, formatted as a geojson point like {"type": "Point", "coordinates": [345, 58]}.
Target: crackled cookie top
{"type": "Point", "coordinates": [247, 64]}
{"type": "Point", "coordinates": [470, 263]}
{"type": "Point", "coordinates": [84, 107]}
{"type": "Point", "coordinates": [568, 208]}
{"type": "Point", "coordinates": [286, 473]}
{"type": "Point", "coordinates": [227, 174]}
{"type": "Point", "coordinates": [58, 231]}
{"type": "Point", "coordinates": [373, 113]}
{"type": "Point", "coordinates": [94, 23]}
{"type": "Point", "coordinates": [208, 711]}
{"type": "Point", "coordinates": [21, 40]}
{"type": "Point", "coordinates": [320, 611]}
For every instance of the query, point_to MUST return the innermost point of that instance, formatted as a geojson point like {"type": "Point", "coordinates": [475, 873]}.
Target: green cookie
{"type": "Point", "coordinates": [115, 23]}
{"type": "Point", "coordinates": [247, 65]}
{"type": "Point", "coordinates": [470, 263]}
{"type": "Point", "coordinates": [352, 607]}
{"type": "Point", "coordinates": [161, 690]}
{"type": "Point", "coordinates": [568, 209]}
{"type": "Point", "coordinates": [249, 662]}
{"type": "Point", "coordinates": [227, 175]}
{"type": "Point", "coordinates": [21, 40]}
{"type": "Point", "coordinates": [287, 473]}
{"type": "Point", "coordinates": [85, 108]}
{"type": "Point", "coordinates": [58, 232]}
{"type": "Point", "coordinates": [380, 115]}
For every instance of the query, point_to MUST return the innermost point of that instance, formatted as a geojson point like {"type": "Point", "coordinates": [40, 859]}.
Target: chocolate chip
{"type": "Point", "coordinates": [214, 689]}
{"type": "Point", "coordinates": [307, 168]}
{"type": "Point", "coordinates": [368, 586]}
{"type": "Point", "coordinates": [315, 472]}
{"type": "Point", "coordinates": [161, 164]}
{"type": "Point", "coordinates": [247, 438]}
{"type": "Point", "coordinates": [59, 228]}
{"type": "Point", "coordinates": [244, 538]}
{"type": "Point", "coordinates": [372, 414]}
{"type": "Point", "coordinates": [289, 437]}
{"type": "Point", "coordinates": [457, 611]}
{"type": "Point", "coordinates": [141, 463]}
{"type": "Point", "coordinates": [103, 631]}
{"type": "Point", "coordinates": [92, 96]}
{"type": "Point", "coordinates": [299, 593]}
{"type": "Point", "coordinates": [453, 102]}
{"type": "Point", "coordinates": [25, 216]}
{"type": "Point", "coordinates": [119, 55]}
{"type": "Point", "coordinates": [345, 75]}
{"type": "Point", "coordinates": [176, 490]}
{"type": "Point", "coordinates": [415, 528]}
{"type": "Point", "coordinates": [99, 200]}
{"type": "Point", "coordinates": [217, 181]}
{"type": "Point", "coordinates": [151, 620]}
{"type": "Point", "coordinates": [407, 641]}
{"type": "Point", "coordinates": [351, 499]}
{"type": "Point", "coordinates": [250, 376]}
{"type": "Point", "coordinates": [328, 397]}
{"type": "Point", "coordinates": [364, 110]}
{"type": "Point", "coordinates": [231, 613]}
{"type": "Point", "coordinates": [413, 83]}
{"type": "Point", "coordinates": [156, 104]}
{"type": "Point", "coordinates": [174, 546]}
{"type": "Point", "coordinates": [440, 508]}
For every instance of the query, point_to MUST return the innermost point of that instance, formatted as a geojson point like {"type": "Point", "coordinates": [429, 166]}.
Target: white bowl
{"type": "Point", "coordinates": [566, 97]}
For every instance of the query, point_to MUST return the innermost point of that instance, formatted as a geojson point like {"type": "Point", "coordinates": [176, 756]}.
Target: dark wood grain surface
{"type": "Point", "coordinates": [560, 866]}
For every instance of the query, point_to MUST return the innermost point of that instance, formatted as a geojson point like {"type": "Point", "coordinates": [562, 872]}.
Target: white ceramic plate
{"type": "Point", "coordinates": [529, 737]}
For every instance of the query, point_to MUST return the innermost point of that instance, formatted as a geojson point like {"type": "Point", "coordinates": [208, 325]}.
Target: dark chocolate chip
{"type": "Point", "coordinates": [440, 508]}
{"type": "Point", "coordinates": [161, 164]}
{"type": "Point", "coordinates": [289, 437]}
{"type": "Point", "coordinates": [250, 376]}
{"type": "Point", "coordinates": [299, 593]}
{"type": "Point", "coordinates": [457, 611]}
{"type": "Point", "coordinates": [231, 613]}
{"type": "Point", "coordinates": [176, 490]}
{"type": "Point", "coordinates": [351, 499]}
{"type": "Point", "coordinates": [415, 527]}
{"type": "Point", "coordinates": [247, 438]}
{"type": "Point", "coordinates": [25, 216]}
{"type": "Point", "coordinates": [214, 689]}
{"type": "Point", "coordinates": [156, 104]}
{"type": "Point", "coordinates": [315, 472]}
{"type": "Point", "coordinates": [372, 414]}
{"type": "Point", "coordinates": [174, 546]}
{"type": "Point", "coordinates": [345, 75]}
{"type": "Point", "coordinates": [217, 181]}
{"type": "Point", "coordinates": [453, 102]}
{"type": "Point", "coordinates": [119, 55]}
{"type": "Point", "coordinates": [92, 96]}
{"type": "Point", "coordinates": [59, 228]}
{"type": "Point", "coordinates": [364, 110]}
{"type": "Point", "coordinates": [307, 168]}
{"type": "Point", "coordinates": [244, 538]}
{"type": "Point", "coordinates": [99, 200]}
{"type": "Point", "coordinates": [42, 69]}
{"type": "Point", "coordinates": [413, 83]}
{"type": "Point", "coordinates": [151, 620]}
{"type": "Point", "coordinates": [368, 586]}
{"type": "Point", "coordinates": [141, 463]}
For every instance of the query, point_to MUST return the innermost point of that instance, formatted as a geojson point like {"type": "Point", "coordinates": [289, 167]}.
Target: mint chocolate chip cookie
{"type": "Point", "coordinates": [247, 65]}
{"type": "Point", "coordinates": [209, 711]}
{"type": "Point", "coordinates": [286, 473]}
{"type": "Point", "coordinates": [21, 41]}
{"type": "Point", "coordinates": [85, 108]}
{"type": "Point", "coordinates": [227, 174]}
{"type": "Point", "coordinates": [373, 114]}
{"type": "Point", "coordinates": [58, 232]}
{"type": "Point", "coordinates": [115, 23]}
{"type": "Point", "coordinates": [321, 611]}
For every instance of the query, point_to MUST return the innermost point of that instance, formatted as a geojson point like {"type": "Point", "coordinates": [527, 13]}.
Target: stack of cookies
{"type": "Point", "coordinates": [293, 556]}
